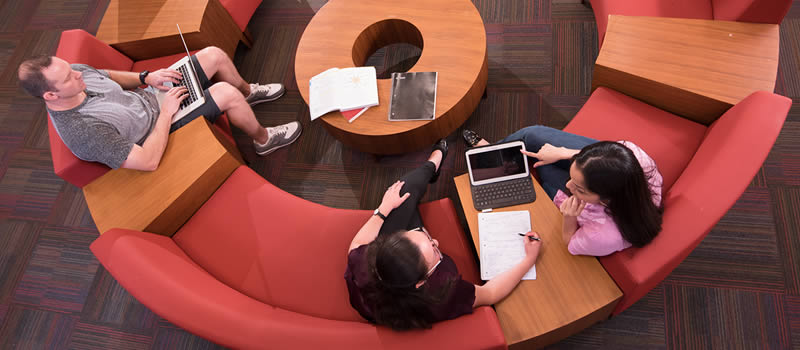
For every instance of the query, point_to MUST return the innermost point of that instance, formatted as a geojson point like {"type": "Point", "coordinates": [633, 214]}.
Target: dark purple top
{"type": "Point", "coordinates": [459, 302]}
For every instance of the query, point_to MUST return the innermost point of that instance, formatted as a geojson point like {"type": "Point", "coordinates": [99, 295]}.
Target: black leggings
{"type": "Point", "coordinates": [406, 216]}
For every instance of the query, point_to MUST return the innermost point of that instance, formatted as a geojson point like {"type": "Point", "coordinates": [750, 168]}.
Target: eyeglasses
{"type": "Point", "coordinates": [435, 248]}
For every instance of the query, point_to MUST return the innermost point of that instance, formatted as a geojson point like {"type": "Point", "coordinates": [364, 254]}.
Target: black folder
{"type": "Point", "coordinates": [413, 96]}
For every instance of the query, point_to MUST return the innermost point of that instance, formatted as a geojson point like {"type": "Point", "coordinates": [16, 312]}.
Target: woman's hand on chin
{"type": "Point", "coordinates": [572, 207]}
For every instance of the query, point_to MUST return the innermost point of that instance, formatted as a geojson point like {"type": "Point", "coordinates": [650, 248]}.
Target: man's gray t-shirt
{"type": "Point", "coordinates": [110, 120]}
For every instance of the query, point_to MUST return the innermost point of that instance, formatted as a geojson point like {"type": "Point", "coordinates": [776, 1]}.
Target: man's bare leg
{"type": "Point", "coordinates": [231, 101]}
{"type": "Point", "coordinates": [233, 97]}
{"type": "Point", "coordinates": [219, 68]}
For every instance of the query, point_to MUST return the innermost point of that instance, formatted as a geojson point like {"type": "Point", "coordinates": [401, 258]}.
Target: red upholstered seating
{"type": "Point", "coordinates": [78, 46]}
{"type": "Point", "coordinates": [669, 139]}
{"type": "Point", "coordinates": [756, 11]}
{"type": "Point", "coordinates": [241, 10]}
{"type": "Point", "coordinates": [705, 171]}
{"type": "Point", "coordinates": [258, 267]}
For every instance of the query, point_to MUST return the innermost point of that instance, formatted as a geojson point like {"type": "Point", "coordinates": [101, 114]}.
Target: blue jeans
{"type": "Point", "coordinates": [554, 176]}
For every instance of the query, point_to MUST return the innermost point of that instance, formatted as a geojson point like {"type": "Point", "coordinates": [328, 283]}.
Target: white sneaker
{"type": "Point", "coordinates": [264, 93]}
{"type": "Point", "coordinates": [279, 136]}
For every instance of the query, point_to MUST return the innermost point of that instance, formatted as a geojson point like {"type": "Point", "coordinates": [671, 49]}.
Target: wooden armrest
{"type": "Point", "coordinates": [197, 160]}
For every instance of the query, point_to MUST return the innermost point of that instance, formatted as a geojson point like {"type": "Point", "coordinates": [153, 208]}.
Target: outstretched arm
{"type": "Point", "coordinates": [500, 286]}
{"type": "Point", "coordinates": [391, 200]}
{"type": "Point", "coordinates": [549, 154]}
{"type": "Point", "coordinates": [130, 80]}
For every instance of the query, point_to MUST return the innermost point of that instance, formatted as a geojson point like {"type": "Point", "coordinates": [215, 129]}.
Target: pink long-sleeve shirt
{"type": "Point", "coordinates": [597, 232]}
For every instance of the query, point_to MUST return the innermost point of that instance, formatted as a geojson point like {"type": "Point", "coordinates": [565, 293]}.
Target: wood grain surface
{"type": "Point", "coordinates": [146, 28]}
{"type": "Point", "coordinates": [345, 32]}
{"type": "Point", "coordinates": [691, 67]}
{"type": "Point", "coordinates": [196, 162]}
{"type": "Point", "coordinates": [570, 292]}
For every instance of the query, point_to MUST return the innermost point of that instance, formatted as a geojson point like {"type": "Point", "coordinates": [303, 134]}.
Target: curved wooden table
{"type": "Point", "coordinates": [569, 294]}
{"type": "Point", "coordinates": [344, 33]}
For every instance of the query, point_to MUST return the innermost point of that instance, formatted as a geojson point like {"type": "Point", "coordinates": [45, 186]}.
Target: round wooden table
{"type": "Point", "coordinates": [344, 33]}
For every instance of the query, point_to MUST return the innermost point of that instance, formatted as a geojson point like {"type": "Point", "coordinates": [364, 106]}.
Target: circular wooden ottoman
{"type": "Point", "coordinates": [344, 33]}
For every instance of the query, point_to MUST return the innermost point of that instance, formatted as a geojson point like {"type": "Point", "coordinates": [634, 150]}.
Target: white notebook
{"type": "Point", "coordinates": [342, 89]}
{"type": "Point", "coordinates": [501, 245]}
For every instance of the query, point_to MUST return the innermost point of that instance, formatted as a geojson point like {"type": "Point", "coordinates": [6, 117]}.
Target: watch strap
{"type": "Point", "coordinates": [143, 75]}
{"type": "Point", "coordinates": [378, 213]}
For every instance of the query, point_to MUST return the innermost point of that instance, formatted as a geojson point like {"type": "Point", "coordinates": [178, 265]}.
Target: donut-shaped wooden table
{"type": "Point", "coordinates": [344, 33]}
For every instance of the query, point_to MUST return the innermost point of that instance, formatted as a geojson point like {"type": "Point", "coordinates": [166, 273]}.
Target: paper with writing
{"type": "Point", "coordinates": [501, 246]}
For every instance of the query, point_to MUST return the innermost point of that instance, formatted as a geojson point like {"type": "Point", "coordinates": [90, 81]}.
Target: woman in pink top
{"type": "Point", "coordinates": [609, 192]}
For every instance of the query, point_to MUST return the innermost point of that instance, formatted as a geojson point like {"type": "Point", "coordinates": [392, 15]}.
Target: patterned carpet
{"type": "Point", "coordinates": [740, 289]}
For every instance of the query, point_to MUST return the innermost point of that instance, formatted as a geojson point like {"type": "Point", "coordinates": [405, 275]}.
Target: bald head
{"type": "Point", "coordinates": [31, 78]}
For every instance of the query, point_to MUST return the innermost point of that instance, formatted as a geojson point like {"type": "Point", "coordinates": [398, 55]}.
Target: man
{"type": "Point", "coordinates": [104, 115]}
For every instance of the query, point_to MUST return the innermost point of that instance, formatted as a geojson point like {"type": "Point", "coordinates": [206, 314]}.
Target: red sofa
{"type": "Point", "coordinates": [257, 267]}
{"type": "Point", "coordinates": [78, 46]}
{"type": "Point", "coordinates": [705, 170]}
{"type": "Point", "coordinates": [241, 10]}
{"type": "Point", "coordinates": [756, 11]}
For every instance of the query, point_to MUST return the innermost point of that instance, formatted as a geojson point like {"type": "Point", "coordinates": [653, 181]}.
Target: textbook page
{"type": "Point", "coordinates": [357, 88]}
{"type": "Point", "coordinates": [322, 93]}
{"type": "Point", "coordinates": [500, 244]}
{"type": "Point", "coordinates": [342, 89]}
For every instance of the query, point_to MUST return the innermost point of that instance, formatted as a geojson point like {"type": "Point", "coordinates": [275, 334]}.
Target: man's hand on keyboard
{"type": "Point", "coordinates": [173, 99]}
{"type": "Point", "coordinates": [158, 78]}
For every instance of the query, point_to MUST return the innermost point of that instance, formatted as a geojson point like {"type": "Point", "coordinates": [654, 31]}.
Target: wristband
{"type": "Point", "coordinates": [143, 75]}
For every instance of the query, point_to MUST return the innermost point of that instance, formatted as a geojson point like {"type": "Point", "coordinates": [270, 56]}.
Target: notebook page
{"type": "Point", "coordinates": [500, 245]}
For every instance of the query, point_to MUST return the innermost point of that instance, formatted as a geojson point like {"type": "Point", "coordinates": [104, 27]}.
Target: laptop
{"type": "Point", "coordinates": [195, 99]}
{"type": "Point", "coordinates": [499, 176]}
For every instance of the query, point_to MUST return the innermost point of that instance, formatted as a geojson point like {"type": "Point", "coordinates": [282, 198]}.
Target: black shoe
{"type": "Point", "coordinates": [471, 138]}
{"type": "Point", "coordinates": [441, 145]}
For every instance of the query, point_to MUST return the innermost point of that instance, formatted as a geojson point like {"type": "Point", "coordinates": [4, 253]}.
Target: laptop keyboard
{"type": "Point", "coordinates": [503, 194]}
{"type": "Point", "coordinates": [187, 81]}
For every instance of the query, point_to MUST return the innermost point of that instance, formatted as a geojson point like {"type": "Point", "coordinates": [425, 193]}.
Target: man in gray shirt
{"type": "Point", "coordinates": [105, 116]}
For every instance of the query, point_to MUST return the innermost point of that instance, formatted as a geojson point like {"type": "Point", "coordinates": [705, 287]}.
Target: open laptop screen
{"type": "Point", "coordinates": [501, 164]}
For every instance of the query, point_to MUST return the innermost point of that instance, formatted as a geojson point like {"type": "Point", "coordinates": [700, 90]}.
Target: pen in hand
{"type": "Point", "coordinates": [532, 238]}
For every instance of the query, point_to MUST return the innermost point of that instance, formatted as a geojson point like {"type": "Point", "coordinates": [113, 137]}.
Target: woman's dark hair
{"type": "Point", "coordinates": [396, 265]}
{"type": "Point", "coordinates": [612, 171]}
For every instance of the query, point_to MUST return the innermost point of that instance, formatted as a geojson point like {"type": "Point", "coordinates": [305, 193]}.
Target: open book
{"type": "Point", "coordinates": [342, 89]}
{"type": "Point", "coordinates": [501, 245]}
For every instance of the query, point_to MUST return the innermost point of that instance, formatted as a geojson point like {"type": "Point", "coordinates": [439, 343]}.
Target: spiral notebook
{"type": "Point", "coordinates": [413, 96]}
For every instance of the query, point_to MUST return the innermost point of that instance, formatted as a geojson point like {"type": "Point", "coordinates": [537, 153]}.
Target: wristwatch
{"type": "Point", "coordinates": [378, 213]}
{"type": "Point", "coordinates": [143, 75]}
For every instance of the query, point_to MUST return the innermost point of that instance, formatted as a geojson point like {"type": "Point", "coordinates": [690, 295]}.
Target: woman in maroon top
{"type": "Point", "coordinates": [396, 274]}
